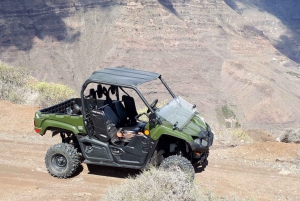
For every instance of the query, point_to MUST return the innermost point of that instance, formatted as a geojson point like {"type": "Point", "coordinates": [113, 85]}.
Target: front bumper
{"type": "Point", "coordinates": [198, 147]}
{"type": "Point", "coordinates": [204, 141]}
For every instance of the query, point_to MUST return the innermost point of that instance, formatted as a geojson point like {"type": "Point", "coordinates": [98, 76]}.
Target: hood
{"type": "Point", "coordinates": [194, 126]}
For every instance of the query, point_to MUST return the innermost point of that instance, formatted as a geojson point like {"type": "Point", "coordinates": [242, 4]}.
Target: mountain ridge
{"type": "Point", "coordinates": [213, 53]}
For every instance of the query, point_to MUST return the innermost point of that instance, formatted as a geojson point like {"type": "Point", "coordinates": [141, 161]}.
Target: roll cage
{"type": "Point", "coordinates": [121, 78]}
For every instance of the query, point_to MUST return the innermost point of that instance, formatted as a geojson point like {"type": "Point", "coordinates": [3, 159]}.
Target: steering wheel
{"type": "Point", "coordinates": [153, 104]}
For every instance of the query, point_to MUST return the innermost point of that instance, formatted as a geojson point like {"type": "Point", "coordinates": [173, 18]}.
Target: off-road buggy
{"type": "Point", "coordinates": [174, 134]}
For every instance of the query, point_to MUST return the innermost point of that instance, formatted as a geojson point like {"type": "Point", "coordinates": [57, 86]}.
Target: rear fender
{"type": "Point", "coordinates": [50, 124]}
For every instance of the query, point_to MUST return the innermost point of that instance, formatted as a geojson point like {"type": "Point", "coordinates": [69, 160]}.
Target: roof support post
{"type": "Point", "coordinates": [168, 88]}
{"type": "Point", "coordinates": [143, 99]}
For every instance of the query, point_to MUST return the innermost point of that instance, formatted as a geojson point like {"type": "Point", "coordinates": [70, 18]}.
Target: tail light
{"type": "Point", "coordinates": [36, 129]}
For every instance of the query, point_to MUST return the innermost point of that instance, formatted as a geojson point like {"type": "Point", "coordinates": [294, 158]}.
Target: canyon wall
{"type": "Point", "coordinates": [214, 53]}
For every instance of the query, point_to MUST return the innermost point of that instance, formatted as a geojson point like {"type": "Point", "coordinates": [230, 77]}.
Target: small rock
{"type": "Point", "coordinates": [284, 172]}
{"type": "Point", "coordinates": [77, 179]}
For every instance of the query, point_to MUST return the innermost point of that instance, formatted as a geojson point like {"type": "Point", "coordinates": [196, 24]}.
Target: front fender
{"type": "Point", "coordinates": [165, 129]}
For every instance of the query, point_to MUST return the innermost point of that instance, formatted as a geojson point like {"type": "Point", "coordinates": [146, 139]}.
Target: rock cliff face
{"type": "Point", "coordinates": [214, 53]}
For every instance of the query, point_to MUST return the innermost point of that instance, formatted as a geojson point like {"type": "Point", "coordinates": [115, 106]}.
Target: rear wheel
{"type": "Point", "coordinates": [178, 161]}
{"type": "Point", "coordinates": [62, 160]}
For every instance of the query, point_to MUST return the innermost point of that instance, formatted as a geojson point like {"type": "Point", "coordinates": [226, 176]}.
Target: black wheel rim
{"type": "Point", "coordinates": [59, 162]}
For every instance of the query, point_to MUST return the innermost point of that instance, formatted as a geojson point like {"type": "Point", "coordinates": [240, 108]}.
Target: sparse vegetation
{"type": "Point", "coordinates": [238, 125]}
{"type": "Point", "coordinates": [240, 134]}
{"type": "Point", "coordinates": [227, 112]}
{"type": "Point", "coordinates": [293, 74]}
{"type": "Point", "coordinates": [230, 118]}
{"type": "Point", "coordinates": [235, 137]}
{"type": "Point", "coordinates": [15, 83]}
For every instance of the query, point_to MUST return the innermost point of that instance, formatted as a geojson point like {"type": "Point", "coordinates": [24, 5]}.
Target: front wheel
{"type": "Point", "coordinates": [178, 161]}
{"type": "Point", "coordinates": [62, 160]}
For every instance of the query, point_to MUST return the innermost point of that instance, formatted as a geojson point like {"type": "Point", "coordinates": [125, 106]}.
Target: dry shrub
{"type": "Point", "coordinates": [12, 82]}
{"type": "Point", "coordinates": [50, 93]}
{"type": "Point", "coordinates": [162, 185]}
{"type": "Point", "coordinates": [16, 84]}
{"type": "Point", "coordinates": [291, 136]}
{"type": "Point", "coordinates": [156, 184]}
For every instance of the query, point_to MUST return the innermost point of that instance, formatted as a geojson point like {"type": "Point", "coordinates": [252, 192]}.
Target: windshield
{"type": "Point", "coordinates": [151, 91]}
{"type": "Point", "coordinates": [178, 112]}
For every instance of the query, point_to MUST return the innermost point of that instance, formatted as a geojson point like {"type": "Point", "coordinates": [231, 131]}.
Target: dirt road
{"type": "Point", "coordinates": [260, 170]}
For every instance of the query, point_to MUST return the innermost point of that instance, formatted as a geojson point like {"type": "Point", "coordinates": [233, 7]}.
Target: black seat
{"type": "Point", "coordinates": [110, 114]}
{"type": "Point", "coordinates": [130, 107]}
{"type": "Point", "coordinates": [122, 114]}
{"type": "Point", "coordinates": [92, 99]}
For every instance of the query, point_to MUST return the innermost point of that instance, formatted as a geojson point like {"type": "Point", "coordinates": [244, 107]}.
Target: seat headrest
{"type": "Point", "coordinates": [93, 93]}
{"type": "Point", "coordinates": [104, 91]}
{"type": "Point", "coordinates": [113, 89]}
{"type": "Point", "coordinates": [99, 91]}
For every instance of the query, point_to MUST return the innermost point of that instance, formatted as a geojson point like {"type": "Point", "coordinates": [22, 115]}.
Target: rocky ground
{"type": "Point", "coordinates": [260, 170]}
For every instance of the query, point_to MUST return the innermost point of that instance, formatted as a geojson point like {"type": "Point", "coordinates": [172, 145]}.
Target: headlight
{"type": "Point", "coordinates": [204, 142]}
{"type": "Point", "coordinates": [197, 140]}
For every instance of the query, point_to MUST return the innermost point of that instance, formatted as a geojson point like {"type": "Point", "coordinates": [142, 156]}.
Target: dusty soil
{"type": "Point", "coordinates": [262, 170]}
